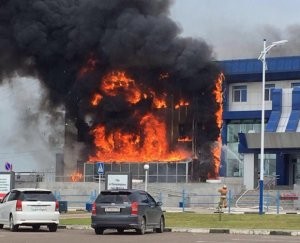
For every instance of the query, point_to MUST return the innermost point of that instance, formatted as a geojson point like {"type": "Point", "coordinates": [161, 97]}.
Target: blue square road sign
{"type": "Point", "coordinates": [100, 168]}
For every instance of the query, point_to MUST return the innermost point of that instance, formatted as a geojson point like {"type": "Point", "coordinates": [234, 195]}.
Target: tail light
{"type": "Point", "coordinates": [94, 209]}
{"type": "Point", "coordinates": [134, 208]}
{"type": "Point", "coordinates": [19, 205]}
{"type": "Point", "coordinates": [56, 206]}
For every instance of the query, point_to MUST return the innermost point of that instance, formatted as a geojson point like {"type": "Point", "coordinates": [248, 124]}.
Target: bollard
{"type": "Point", "coordinates": [268, 201]}
{"type": "Point", "coordinates": [160, 198]}
{"type": "Point", "coordinates": [277, 202]}
{"type": "Point", "coordinates": [229, 201]}
{"type": "Point", "coordinates": [183, 200]}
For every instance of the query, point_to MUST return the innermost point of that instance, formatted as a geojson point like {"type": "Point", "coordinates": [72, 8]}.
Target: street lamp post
{"type": "Point", "coordinates": [146, 168]}
{"type": "Point", "coordinates": [262, 57]}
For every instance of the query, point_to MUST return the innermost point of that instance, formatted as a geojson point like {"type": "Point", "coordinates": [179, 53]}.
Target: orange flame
{"type": "Point", "coordinates": [184, 139]}
{"type": "Point", "coordinates": [216, 149]}
{"type": "Point", "coordinates": [117, 82]}
{"type": "Point", "coordinates": [76, 176]}
{"type": "Point", "coordinates": [159, 102]}
{"type": "Point", "coordinates": [182, 103]}
{"type": "Point", "coordinates": [149, 144]}
{"type": "Point", "coordinates": [96, 99]}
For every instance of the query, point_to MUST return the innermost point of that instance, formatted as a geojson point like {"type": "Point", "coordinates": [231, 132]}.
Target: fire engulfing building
{"type": "Point", "coordinates": [133, 88]}
{"type": "Point", "coordinates": [175, 138]}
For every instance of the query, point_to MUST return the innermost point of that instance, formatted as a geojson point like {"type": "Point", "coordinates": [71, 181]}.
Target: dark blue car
{"type": "Point", "coordinates": [127, 209]}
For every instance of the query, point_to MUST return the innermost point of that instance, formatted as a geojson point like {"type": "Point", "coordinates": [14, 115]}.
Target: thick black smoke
{"type": "Point", "coordinates": [54, 39]}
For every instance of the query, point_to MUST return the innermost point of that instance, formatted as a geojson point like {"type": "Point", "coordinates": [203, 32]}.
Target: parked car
{"type": "Point", "coordinates": [29, 207]}
{"type": "Point", "coordinates": [127, 209]}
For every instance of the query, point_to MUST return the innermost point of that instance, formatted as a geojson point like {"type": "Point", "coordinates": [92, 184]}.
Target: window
{"type": "Point", "coordinates": [295, 85]}
{"type": "Point", "coordinates": [12, 196]}
{"type": "Point", "coordinates": [151, 200]}
{"type": "Point", "coordinates": [143, 198]}
{"type": "Point", "coordinates": [42, 196]}
{"type": "Point", "coordinates": [239, 93]}
{"type": "Point", "coordinates": [268, 91]}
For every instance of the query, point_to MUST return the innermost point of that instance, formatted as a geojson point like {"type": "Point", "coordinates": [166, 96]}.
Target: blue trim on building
{"type": "Point", "coordinates": [242, 115]}
{"type": "Point", "coordinates": [250, 70]}
{"type": "Point", "coordinates": [276, 111]}
{"type": "Point", "coordinates": [295, 113]}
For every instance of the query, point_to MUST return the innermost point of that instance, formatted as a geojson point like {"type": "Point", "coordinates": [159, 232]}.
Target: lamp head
{"type": "Point", "coordinates": [281, 42]}
{"type": "Point", "coordinates": [146, 167]}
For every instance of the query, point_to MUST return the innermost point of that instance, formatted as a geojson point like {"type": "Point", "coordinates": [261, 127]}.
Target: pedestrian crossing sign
{"type": "Point", "coordinates": [100, 168]}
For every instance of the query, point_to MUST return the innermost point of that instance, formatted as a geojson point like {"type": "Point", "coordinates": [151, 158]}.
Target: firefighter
{"type": "Point", "coordinates": [223, 197]}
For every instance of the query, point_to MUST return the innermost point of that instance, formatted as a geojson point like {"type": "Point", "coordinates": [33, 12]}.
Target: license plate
{"type": "Point", "coordinates": [39, 209]}
{"type": "Point", "coordinates": [112, 209]}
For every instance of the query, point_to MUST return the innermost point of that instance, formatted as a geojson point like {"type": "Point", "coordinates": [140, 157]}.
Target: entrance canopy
{"type": "Point", "coordinates": [273, 140]}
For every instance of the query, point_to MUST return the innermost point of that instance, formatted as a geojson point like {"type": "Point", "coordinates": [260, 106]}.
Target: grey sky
{"type": "Point", "coordinates": [236, 28]}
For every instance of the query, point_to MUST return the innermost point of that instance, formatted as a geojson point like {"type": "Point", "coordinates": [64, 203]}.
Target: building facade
{"type": "Point", "coordinates": [241, 135]}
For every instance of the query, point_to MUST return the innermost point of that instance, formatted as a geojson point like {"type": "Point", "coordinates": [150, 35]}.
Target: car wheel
{"type": "Point", "coordinates": [161, 226]}
{"type": "Point", "coordinates": [99, 231]}
{"type": "Point", "coordinates": [36, 227]}
{"type": "Point", "coordinates": [52, 227]}
{"type": "Point", "coordinates": [1, 226]}
{"type": "Point", "coordinates": [12, 226]}
{"type": "Point", "coordinates": [142, 228]}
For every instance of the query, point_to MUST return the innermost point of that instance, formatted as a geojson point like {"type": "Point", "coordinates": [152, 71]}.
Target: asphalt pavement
{"type": "Point", "coordinates": [82, 214]}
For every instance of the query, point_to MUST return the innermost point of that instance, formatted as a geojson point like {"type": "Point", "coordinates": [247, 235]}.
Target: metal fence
{"type": "Point", "coordinates": [183, 200]}
{"type": "Point", "coordinates": [172, 196]}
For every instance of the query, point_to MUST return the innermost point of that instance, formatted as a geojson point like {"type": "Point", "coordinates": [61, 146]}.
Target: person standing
{"type": "Point", "coordinates": [223, 197]}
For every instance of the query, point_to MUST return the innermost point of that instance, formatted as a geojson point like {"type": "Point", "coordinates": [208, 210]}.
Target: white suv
{"type": "Point", "coordinates": [29, 207]}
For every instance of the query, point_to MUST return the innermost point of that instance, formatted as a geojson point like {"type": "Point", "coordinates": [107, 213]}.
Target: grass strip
{"type": "Point", "coordinates": [230, 221]}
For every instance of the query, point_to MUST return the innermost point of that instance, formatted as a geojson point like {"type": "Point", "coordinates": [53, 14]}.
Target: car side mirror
{"type": "Point", "coordinates": [159, 204]}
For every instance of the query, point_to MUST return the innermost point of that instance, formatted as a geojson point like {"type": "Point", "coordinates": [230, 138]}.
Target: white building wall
{"type": "Point", "coordinates": [254, 94]}
{"type": "Point", "coordinates": [286, 109]}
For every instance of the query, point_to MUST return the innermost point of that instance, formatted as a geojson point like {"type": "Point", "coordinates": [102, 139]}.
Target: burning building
{"type": "Point", "coordinates": [134, 89]}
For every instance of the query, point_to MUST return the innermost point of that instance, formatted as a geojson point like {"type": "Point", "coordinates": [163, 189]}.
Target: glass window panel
{"type": "Point", "coordinates": [181, 179]}
{"type": "Point", "coordinates": [244, 95]}
{"type": "Point", "coordinates": [268, 91]}
{"type": "Point", "coordinates": [152, 179]}
{"type": "Point", "coordinates": [162, 169]}
{"type": "Point", "coordinates": [295, 85]}
{"type": "Point", "coordinates": [124, 167]}
{"type": "Point", "coordinates": [181, 170]}
{"type": "Point", "coordinates": [171, 169]}
{"type": "Point", "coordinates": [107, 167]}
{"type": "Point", "coordinates": [141, 169]}
{"type": "Point", "coordinates": [116, 167]}
{"type": "Point", "coordinates": [236, 96]}
{"type": "Point", "coordinates": [153, 169]}
{"type": "Point", "coordinates": [171, 178]}
{"type": "Point", "coordinates": [134, 169]}
{"type": "Point", "coordinates": [162, 178]}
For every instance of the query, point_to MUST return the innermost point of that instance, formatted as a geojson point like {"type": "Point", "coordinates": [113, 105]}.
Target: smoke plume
{"type": "Point", "coordinates": [71, 45]}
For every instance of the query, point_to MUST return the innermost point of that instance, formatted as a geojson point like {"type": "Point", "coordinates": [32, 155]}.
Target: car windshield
{"type": "Point", "coordinates": [114, 197]}
{"type": "Point", "coordinates": [37, 196]}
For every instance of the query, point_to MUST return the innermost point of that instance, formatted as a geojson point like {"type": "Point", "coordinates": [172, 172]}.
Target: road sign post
{"type": "Point", "coordinates": [100, 171]}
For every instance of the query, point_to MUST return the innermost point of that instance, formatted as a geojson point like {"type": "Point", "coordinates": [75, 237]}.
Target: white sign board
{"type": "Point", "coordinates": [5, 184]}
{"type": "Point", "coordinates": [117, 181]}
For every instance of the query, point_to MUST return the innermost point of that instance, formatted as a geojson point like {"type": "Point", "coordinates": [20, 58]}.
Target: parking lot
{"type": "Point", "coordinates": [79, 236]}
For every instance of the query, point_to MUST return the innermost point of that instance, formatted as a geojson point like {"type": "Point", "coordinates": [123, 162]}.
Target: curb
{"type": "Point", "coordinates": [238, 231]}
{"type": "Point", "coordinates": [207, 231]}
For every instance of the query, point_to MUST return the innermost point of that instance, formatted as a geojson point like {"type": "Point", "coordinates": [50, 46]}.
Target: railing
{"type": "Point", "coordinates": [172, 196]}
